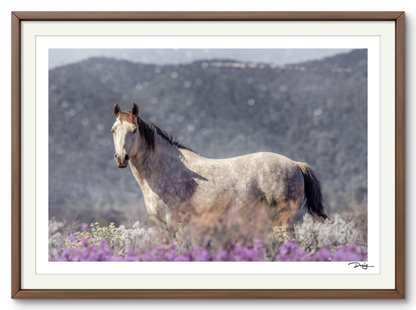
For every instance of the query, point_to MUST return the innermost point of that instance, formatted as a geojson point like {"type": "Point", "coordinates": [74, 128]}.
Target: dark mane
{"type": "Point", "coordinates": [148, 130]}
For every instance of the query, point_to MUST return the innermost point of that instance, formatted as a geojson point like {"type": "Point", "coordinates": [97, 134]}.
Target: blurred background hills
{"type": "Point", "coordinates": [314, 111]}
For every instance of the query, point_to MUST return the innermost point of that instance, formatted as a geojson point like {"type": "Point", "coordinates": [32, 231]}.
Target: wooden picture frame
{"type": "Point", "coordinates": [16, 286]}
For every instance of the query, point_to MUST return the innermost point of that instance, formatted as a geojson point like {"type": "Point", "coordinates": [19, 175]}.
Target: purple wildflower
{"type": "Point", "coordinates": [350, 252]}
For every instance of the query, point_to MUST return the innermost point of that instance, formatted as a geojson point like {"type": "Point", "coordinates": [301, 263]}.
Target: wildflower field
{"type": "Point", "coordinates": [332, 240]}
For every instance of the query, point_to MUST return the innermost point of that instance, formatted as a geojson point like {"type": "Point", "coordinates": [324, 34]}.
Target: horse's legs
{"type": "Point", "coordinates": [286, 214]}
{"type": "Point", "coordinates": [172, 223]}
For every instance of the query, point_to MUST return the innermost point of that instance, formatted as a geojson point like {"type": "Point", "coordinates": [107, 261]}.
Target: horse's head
{"type": "Point", "coordinates": [124, 133]}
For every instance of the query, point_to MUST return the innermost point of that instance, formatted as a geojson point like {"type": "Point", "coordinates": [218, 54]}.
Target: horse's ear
{"type": "Point", "coordinates": [116, 110]}
{"type": "Point", "coordinates": [135, 110]}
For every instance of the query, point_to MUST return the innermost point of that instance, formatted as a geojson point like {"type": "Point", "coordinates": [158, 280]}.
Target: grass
{"type": "Point", "coordinates": [236, 236]}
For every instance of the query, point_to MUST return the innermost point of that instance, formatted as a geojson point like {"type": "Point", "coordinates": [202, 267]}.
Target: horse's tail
{"type": "Point", "coordinates": [313, 195]}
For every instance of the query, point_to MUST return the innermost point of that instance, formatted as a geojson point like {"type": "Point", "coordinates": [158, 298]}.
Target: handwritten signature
{"type": "Point", "coordinates": [362, 265]}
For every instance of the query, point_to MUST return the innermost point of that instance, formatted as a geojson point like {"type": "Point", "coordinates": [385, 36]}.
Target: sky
{"type": "Point", "coordinates": [60, 57]}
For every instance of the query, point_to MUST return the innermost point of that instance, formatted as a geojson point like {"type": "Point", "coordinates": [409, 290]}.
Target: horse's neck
{"type": "Point", "coordinates": [162, 163]}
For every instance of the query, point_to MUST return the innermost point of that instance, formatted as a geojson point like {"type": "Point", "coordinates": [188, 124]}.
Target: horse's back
{"type": "Point", "coordinates": [271, 173]}
{"type": "Point", "coordinates": [265, 171]}
{"type": "Point", "coordinates": [266, 162]}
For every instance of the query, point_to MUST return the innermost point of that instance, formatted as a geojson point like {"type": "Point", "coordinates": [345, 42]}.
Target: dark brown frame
{"type": "Point", "coordinates": [397, 17]}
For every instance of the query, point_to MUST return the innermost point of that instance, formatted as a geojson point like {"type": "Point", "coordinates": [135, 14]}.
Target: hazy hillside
{"type": "Point", "coordinates": [314, 112]}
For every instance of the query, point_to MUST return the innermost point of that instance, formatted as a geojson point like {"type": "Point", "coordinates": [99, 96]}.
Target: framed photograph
{"type": "Point", "coordinates": [264, 155]}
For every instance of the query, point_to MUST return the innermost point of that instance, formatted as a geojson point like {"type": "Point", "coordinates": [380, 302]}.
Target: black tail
{"type": "Point", "coordinates": [313, 195]}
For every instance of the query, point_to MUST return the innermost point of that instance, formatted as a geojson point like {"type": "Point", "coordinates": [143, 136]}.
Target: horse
{"type": "Point", "coordinates": [177, 182]}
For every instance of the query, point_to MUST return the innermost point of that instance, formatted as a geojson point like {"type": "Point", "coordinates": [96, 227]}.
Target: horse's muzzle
{"type": "Point", "coordinates": [122, 161]}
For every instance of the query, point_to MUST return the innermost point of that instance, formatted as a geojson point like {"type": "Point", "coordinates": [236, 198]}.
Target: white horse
{"type": "Point", "coordinates": [178, 183]}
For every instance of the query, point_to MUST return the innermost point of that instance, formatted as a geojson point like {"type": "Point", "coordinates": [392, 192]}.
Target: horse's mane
{"type": "Point", "coordinates": [148, 130]}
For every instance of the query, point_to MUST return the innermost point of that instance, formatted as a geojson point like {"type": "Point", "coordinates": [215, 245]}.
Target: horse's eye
{"type": "Point", "coordinates": [112, 130]}
{"type": "Point", "coordinates": [134, 130]}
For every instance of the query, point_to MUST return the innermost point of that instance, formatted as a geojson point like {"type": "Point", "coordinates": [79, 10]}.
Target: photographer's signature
{"type": "Point", "coordinates": [362, 265]}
